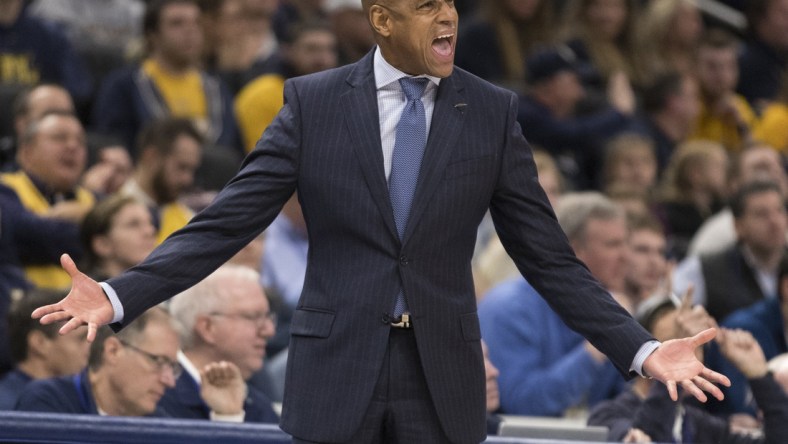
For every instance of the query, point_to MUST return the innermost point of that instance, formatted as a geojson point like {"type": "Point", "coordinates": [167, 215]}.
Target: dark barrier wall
{"type": "Point", "coordinates": [26, 427]}
{"type": "Point", "coordinates": [58, 428]}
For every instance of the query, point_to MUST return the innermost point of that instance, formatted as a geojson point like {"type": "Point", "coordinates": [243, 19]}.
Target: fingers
{"type": "Point", "coordinates": [218, 373]}
{"type": "Point", "coordinates": [55, 317]}
{"type": "Point", "coordinates": [92, 330]}
{"type": "Point", "coordinates": [704, 337]}
{"type": "Point", "coordinates": [715, 377]}
{"type": "Point", "coordinates": [70, 325]}
{"type": "Point", "coordinates": [672, 390]}
{"type": "Point", "coordinates": [40, 312]}
{"type": "Point", "coordinates": [68, 264]}
{"type": "Point", "coordinates": [693, 389]}
{"type": "Point", "coordinates": [686, 299]}
{"type": "Point", "coordinates": [708, 387]}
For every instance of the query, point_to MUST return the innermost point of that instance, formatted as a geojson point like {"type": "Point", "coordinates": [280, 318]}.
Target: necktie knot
{"type": "Point", "coordinates": [413, 87]}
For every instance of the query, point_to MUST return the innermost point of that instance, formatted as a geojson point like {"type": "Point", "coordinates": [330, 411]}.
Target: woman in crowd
{"type": "Point", "coordinates": [117, 233]}
{"type": "Point", "coordinates": [693, 188]}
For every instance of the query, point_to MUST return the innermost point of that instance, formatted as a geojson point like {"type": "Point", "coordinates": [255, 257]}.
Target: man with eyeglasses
{"type": "Point", "coordinates": [126, 375]}
{"type": "Point", "coordinates": [225, 318]}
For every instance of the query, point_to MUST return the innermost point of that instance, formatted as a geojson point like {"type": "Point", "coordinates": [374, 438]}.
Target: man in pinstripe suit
{"type": "Point", "coordinates": [355, 374]}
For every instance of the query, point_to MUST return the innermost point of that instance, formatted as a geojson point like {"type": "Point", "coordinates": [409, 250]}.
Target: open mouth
{"type": "Point", "coordinates": [443, 45]}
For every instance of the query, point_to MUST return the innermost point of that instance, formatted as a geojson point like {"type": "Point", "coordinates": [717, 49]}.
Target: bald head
{"type": "Point", "coordinates": [38, 101]}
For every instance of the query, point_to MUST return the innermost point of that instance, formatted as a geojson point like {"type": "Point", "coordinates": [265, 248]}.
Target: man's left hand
{"type": "Point", "coordinates": [674, 363]}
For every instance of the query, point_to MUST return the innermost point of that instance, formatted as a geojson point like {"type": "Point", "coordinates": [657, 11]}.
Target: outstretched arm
{"type": "Point", "coordinates": [86, 303]}
{"type": "Point", "coordinates": [674, 362]}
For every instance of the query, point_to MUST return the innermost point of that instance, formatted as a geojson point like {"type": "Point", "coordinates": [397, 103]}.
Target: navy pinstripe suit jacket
{"type": "Point", "coordinates": [325, 143]}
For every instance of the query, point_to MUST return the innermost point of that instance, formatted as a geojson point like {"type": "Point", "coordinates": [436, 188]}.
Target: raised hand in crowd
{"type": "Point", "coordinates": [223, 388]}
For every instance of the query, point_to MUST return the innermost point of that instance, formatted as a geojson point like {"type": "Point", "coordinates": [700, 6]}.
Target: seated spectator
{"type": "Point", "coordinates": [225, 318]}
{"type": "Point", "coordinates": [647, 264]}
{"type": "Point", "coordinates": [757, 162]}
{"type": "Point", "coordinates": [34, 51]}
{"type": "Point", "coordinates": [169, 153]}
{"type": "Point", "coordinates": [500, 35]}
{"type": "Point", "coordinates": [309, 48]}
{"type": "Point", "coordinates": [127, 373]}
{"type": "Point", "coordinates": [725, 117]}
{"type": "Point", "coordinates": [117, 234]}
{"type": "Point", "coordinates": [349, 23]}
{"type": "Point", "coordinates": [52, 157]}
{"type": "Point", "coordinates": [764, 59]}
{"type": "Point", "coordinates": [766, 320]}
{"type": "Point", "coordinates": [670, 106]}
{"type": "Point", "coordinates": [168, 83]}
{"type": "Point", "coordinates": [693, 188]}
{"type": "Point", "coordinates": [31, 104]}
{"type": "Point", "coordinates": [110, 166]}
{"type": "Point", "coordinates": [38, 351]}
{"type": "Point", "coordinates": [646, 410]}
{"type": "Point", "coordinates": [546, 368]}
{"type": "Point", "coordinates": [630, 163]}
{"type": "Point", "coordinates": [240, 43]}
{"type": "Point", "coordinates": [667, 38]}
{"type": "Point", "coordinates": [549, 119]}
{"type": "Point", "coordinates": [747, 271]}
{"type": "Point", "coordinates": [602, 35]}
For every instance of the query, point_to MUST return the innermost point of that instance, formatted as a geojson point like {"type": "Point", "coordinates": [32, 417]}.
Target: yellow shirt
{"type": "Point", "coordinates": [712, 127]}
{"type": "Point", "coordinates": [172, 217]}
{"type": "Point", "coordinates": [43, 276]}
{"type": "Point", "coordinates": [773, 128]}
{"type": "Point", "coordinates": [183, 94]}
{"type": "Point", "coordinates": [256, 106]}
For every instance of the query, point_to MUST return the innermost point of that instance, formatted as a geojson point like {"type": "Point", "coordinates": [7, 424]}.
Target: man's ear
{"type": "Point", "coordinates": [380, 18]}
{"type": "Point", "coordinates": [112, 348]}
{"type": "Point", "coordinates": [37, 343]}
{"type": "Point", "coordinates": [204, 329]}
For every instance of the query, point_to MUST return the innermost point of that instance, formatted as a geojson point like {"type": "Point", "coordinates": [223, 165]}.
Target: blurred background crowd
{"type": "Point", "coordinates": [659, 130]}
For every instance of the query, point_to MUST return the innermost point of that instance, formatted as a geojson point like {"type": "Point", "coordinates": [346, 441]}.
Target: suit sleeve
{"type": "Point", "coordinates": [243, 209]}
{"type": "Point", "coordinates": [531, 235]}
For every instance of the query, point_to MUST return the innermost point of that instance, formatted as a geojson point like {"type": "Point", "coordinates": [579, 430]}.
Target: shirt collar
{"type": "Point", "coordinates": [386, 74]}
{"type": "Point", "coordinates": [189, 367]}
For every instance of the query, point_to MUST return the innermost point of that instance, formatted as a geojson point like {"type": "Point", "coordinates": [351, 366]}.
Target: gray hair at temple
{"type": "Point", "coordinates": [206, 297]}
{"type": "Point", "coordinates": [130, 334]}
{"type": "Point", "coordinates": [574, 210]}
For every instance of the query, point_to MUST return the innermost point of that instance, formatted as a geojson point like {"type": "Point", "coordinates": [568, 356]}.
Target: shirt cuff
{"type": "Point", "coordinates": [117, 307]}
{"type": "Point", "coordinates": [645, 351]}
{"type": "Point", "coordinates": [238, 417]}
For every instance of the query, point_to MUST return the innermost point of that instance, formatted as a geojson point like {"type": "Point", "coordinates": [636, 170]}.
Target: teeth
{"type": "Point", "coordinates": [446, 36]}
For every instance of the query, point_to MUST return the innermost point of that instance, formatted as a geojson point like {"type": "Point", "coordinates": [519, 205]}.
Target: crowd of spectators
{"type": "Point", "coordinates": [659, 130]}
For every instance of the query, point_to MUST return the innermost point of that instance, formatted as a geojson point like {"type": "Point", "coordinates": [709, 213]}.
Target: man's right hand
{"type": "Point", "coordinates": [86, 303]}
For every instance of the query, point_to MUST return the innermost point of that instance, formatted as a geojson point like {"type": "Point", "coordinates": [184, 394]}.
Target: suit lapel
{"type": "Point", "coordinates": [447, 119]}
{"type": "Point", "coordinates": [360, 107]}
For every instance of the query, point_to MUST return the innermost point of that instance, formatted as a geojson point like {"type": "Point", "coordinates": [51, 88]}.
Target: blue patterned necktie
{"type": "Point", "coordinates": [411, 138]}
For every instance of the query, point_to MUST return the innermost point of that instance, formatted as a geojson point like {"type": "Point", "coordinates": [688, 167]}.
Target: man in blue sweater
{"type": "Point", "coordinates": [546, 368]}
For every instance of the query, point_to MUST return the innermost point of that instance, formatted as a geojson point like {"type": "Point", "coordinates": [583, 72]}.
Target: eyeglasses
{"type": "Point", "coordinates": [159, 361]}
{"type": "Point", "coordinates": [258, 319]}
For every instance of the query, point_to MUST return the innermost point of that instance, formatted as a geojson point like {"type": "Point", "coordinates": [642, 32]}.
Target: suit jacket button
{"type": "Point", "coordinates": [386, 319]}
{"type": "Point", "coordinates": [403, 260]}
